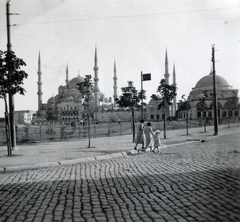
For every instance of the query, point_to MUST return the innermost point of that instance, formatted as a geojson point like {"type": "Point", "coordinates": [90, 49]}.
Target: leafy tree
{"type": "Point", "coordinates": [52, 112]}
{"type": "Point", "coordinates": [130, 98]}
{"type": "Point", "coordinates": [11, 81]}
{"type": "Point", "coordinates": [166, 94]}
{"type": "Point", "coordinates": [203, 97]}
{"type": "Point", "coordinates": [231, 104]}
{"type": "Point", "coordinates": [184, 104]}
{"type": "Point", "coordinates": [86, 89]}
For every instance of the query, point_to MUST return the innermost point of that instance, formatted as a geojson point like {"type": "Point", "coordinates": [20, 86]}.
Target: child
{"type": "Point", "coordinates": [156, 141]}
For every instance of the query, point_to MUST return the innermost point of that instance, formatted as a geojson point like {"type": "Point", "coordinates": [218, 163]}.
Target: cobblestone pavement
{"type": "Point", "coordinates": [191, 182]}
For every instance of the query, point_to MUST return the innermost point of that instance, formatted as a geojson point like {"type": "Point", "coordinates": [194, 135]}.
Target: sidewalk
{"type": "Point", "coordinates": [45, 154]}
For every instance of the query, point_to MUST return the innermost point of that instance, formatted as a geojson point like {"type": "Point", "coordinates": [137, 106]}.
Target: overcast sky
{"type": "Point", "coordinates": [135, 33]}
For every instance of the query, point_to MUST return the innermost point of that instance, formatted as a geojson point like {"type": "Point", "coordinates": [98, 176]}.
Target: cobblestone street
{"type": "Point", "coordinates": [188, 182]}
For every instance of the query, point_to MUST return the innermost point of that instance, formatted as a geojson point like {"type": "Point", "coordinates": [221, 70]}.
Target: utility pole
{"type": "Point", "coordinates": [214, 95]}
{"type": "Point", "coordinates": [142, 95]}
{"type": "Point", "coordinates": [10, 96]}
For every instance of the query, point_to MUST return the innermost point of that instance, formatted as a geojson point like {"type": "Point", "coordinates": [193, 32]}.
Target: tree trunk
{"type": "Point", "coordinates": [164, 124]}
{"type": "Point", "coordinates": [205, 125]}
{"type": "Point", "coordinates": [133, 125]}
{"type": "Point", "coordinates": [89, 135]}
{"type": "Point", "coordinates": [7, 129]}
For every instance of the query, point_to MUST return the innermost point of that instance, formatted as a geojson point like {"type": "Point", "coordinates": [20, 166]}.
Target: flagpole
{"type": "Point", "coordinates": [142, 92]}
{"type": "Point", "coordinates": [144, 77]}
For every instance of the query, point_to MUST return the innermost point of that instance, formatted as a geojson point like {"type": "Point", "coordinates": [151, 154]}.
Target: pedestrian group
{"type": "Point", "coordinates": [147, 137]}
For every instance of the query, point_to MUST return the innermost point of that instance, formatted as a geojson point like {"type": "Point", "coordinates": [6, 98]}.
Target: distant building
{"type": "Point", "coordinates": [204, 108]}
{"type": "Point", "coordinates": [67, 104]}
{"type": "Point", "coordinates": [153, 114]}
{"type": "Point", "coordinates": [23, 116]}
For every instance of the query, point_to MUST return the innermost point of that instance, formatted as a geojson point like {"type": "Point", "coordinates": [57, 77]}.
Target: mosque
{"type": "Point", "coordinates": [67, 104]}
{"type": "Point", "coordinates": [227, 100]}
{"type": "Point", "coordinates": [153, 114]}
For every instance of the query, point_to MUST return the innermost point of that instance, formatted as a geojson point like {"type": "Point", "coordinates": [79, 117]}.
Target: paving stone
{"type": "Point", "coordinates": [187, 182]}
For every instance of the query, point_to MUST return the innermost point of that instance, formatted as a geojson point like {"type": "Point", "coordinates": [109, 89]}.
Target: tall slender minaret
{"type": "Point", "coordinates": [115, 83]}
{"type": "Point", "coordinates": [166, 75]}
{"type": "Point", "coordinates": [174, 105]}
{"type": "Point", "coordinates": [39, 84]}
{"type": "Point", "coordinates": [67, 80]}
{"type": "Point", "coordinates": [96, 88]}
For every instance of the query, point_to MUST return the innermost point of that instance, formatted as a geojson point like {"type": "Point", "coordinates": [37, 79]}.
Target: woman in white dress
{"type": "Point", "coordinates": [149, 136]}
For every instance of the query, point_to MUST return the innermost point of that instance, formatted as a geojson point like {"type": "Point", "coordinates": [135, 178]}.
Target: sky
{"type": "Point", "coordinates": [134, 33]}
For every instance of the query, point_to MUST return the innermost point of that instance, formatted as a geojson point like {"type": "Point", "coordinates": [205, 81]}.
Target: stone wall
{"type": "Point", "coordinates": [113, 116]}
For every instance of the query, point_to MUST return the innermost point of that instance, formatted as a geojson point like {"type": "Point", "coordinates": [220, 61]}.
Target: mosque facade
{"type": "Point", "coordinates": [68, 104]}
{"type": "Point", "coordinates": [201, 100]}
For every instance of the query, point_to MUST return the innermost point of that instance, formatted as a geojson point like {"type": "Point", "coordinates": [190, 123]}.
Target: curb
{"type": "Point", "coordinates": [29, 167]}
{"type": "Point", "coordinates": [90, 159]}
{"type": "Point", "coordinates": [66, 162]}
{"type": "Point", "coordinates": [75, 161]}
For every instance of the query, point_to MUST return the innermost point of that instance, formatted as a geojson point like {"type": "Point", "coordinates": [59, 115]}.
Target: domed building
{"type": "Point", "coordinates": [67, 104]}
{"type": "Point", "coordinates": [155, 114]}
{"type": "Point", "coordinates": [201, 99]}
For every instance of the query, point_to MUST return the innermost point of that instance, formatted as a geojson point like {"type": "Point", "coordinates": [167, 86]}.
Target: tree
{"type": "Point", "coordinates": [86, 89]}
{"type": "Point", "coordinates": [131, 99]}
{"type": "Point", "coordinates": [11, 81]}
{"type": "Point", "coordinates": [231, 105]}
{"type": "Point", "coordinates": [52, 112]}
{"type": "Point", "coordinates": [184, 104]}
{"type": "Point", "coordinates": [203, 107]}
{"type": "Point", "coordinates": [166, 94]}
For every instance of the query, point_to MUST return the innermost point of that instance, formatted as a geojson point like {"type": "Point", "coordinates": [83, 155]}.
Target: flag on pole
{"type": "Point", "coordinates": [146, 77]}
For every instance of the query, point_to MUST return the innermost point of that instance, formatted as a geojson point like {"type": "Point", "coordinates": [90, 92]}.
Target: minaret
{"type": "Point", "coordinates": [174, 106]}
{"type": "Point", "coordinates": [67, 80]}
{"type": "Point", "coordinates": [115, 83]}
{"type": "Point", "coordinates": [166, 75]}
{"type": "Point", "coordinates": [96, 89]}
{"type": "Point", "coordinates": [39, 84]}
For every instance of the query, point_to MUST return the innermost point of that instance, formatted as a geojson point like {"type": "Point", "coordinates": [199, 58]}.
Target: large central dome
{"type": "Point", "coordinates": [74, 81]}
{"type": "Point", "coordinates": [207, 82]}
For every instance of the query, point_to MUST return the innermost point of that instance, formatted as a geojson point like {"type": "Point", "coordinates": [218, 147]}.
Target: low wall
{"type": "Point", "coordinates": [56, 132]}
{"type": "Point", "coordinates": [113, 116]}
{"type": "Point", "coordinates": [38, 133]}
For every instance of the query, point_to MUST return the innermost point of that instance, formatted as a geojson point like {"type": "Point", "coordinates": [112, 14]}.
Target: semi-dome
{"type": "Point", "coordinates": [74, 81]}
{"type": "Point", "coordinates": [67, 98]}
{"type": "Point", "coordinates": [207, 81]}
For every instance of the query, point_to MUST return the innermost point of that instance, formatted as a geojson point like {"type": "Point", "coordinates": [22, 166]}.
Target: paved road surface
{"type": "Point", "coordinates": [188, 182]}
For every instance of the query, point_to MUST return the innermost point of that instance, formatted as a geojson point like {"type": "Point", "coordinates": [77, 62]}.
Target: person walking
{"type": "Point", "coordinates": [140, 138]}
{"type": "Point", "coordinates": [156, 141]}
{"type": "Point", "coordinates": [149, 136]}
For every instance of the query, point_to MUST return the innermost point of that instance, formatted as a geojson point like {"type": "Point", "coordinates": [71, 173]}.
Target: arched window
{"type": "Point", "coordinates": [201, 106]}
{"type": "Point", "coordinates": [218, 105]}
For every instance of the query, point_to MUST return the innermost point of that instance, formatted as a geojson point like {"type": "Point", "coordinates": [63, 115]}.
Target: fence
{"type": "Point", "coordinates": [55, 132]}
